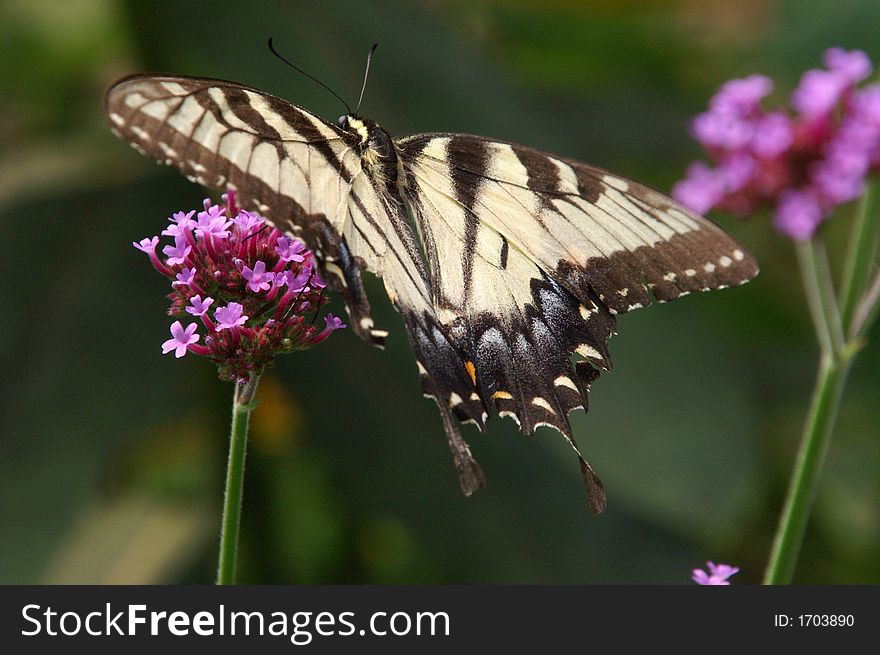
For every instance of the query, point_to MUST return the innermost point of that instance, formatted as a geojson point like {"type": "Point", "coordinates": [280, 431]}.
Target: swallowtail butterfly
{"type": "Point", "coordinates": [502, 260]}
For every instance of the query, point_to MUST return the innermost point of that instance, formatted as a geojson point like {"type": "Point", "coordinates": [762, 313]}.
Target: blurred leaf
{"type": "Point", "coordinates": [306, 519]}
{"type": "Point", "coordinates": [132, 539]}
{"type": "Point", "coordinates": [276, 424]}
{"type": "Point", "coordinates": [670, 430]}
{"type": "Point", "coordinates": [390, 553]}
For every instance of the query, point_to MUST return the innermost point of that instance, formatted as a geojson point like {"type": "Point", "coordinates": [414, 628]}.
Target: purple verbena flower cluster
{"type": "Point", "coordinates": [803, 163]}
{"type": "Point", "coordinates": [718, 574]}
{"type": "Point", "coordinates": [253, 289]}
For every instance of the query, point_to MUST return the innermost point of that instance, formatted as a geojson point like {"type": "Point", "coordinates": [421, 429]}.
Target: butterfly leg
{"type": "Point", "coordinates": [345, 279]}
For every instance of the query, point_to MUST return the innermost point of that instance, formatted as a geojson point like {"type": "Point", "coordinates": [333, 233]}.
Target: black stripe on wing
{"type": "Point", "coordinates": [467, 189]}
{"type": "Point", "coordinates": [698, 259]}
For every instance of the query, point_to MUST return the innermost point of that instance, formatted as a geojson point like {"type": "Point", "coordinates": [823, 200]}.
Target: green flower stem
{"type": "Point", "coordinates": [861, 255]}
{"type": "Point", "coordinates": [816, 276]}
{"type": "Point", "coordinates": [242, 404]}
{"type": "Point", "coordinates": [833, 370]}
{"type": "Point", "coordinates": [866, 311]}
{"type": "Point", "coordinates": [840, 329]}
{"type": "Point", "coordinates": [807, 471]}
{"type": "Point", "coordinates": [830, 306]}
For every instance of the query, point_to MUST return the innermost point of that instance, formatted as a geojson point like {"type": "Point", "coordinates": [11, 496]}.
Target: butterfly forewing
{"type": "Point", "coordinates": [283, 161]}
{"type": "Point", "coordinates": [220, 133]}
{"type": "Point", "coordinates": [583, 226]}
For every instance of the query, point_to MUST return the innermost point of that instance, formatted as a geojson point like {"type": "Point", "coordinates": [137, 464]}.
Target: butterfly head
{"type": "Point", "coordinates": [368, 137]}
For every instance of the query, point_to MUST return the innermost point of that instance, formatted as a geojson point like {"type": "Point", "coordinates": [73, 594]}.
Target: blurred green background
{"type": "Point", "coordinates": [112, 456]}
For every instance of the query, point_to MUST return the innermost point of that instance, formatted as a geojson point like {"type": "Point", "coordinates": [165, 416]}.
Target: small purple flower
{"type": "Point", "coordinates": [701, 189]}
{"type": "Point", "coordinates": [817, 93]}
{"type": "Point", "coordinates": [334, 322]}
{"type": "Point", "coordinates": [178, 252]}
{"type": "Point", "coordinates": [773, 135]}
{"type": "Point", "coordinates": [296, 282]}
{"type": "Point", "coordinates": [866, 105]}
{"type": "Point", "coordinates": [850, 152]}
{"type": "Point", "coordinates": [718, 574]}
{"type": "Point", "coordinates": [797, 215]}
{"type": "Point", "coordinates": [199, 307]}
{"type": "Point", "coordinates": [180, 339]}
{"type": "Point", "coordinates": [840, 176]}
{"type": "Point", "coordinates": [257, 277]}
{"type": "Point", "coordinates": [185, 277]}
{"type": "Point", "coordinates": [742, 96]}
{"type": "Point", "coordinates": [180, 223]}
{"type": "Point", "coordinates": [173, 231]}
{"type": "Point", "coordinates": [184, 219]}
{"type": "Point", "coordinates": [290, 249]}
{"type": "Point", "coordinates": [213, 222]}
{"type": "Point", "coordinates": [853, 66]}
{"type": "Point", "coordinates": [866, 112]}
{"type": "Point", "coordinates": [146, 245]}
{"type": "Point", "coordinates": [735, 171]}
{"type": "Point", "coordinates": [715, 129]}
{"type": "Point", "coordinates": [248, 222]}
{"type": "Point", "coordinates": [317, 282]}
{"type": "Point", "coordinates": [230, 316]}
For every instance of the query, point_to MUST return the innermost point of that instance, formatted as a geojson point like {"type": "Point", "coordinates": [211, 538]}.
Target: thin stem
{"type": "Point", "coordinates": [813, 288]}
{"type": "Point", "coordinates": [833, 370]}
{"type": "Point", "coordinates": [860, 256]}
{"type": "Point", "coordinates": [242, 405]}
{"type": "Point", "coordinates": [807, 471]}
{"type": "Point", "coordinates": [825, 287]}
{"type": "Point", "coordinates": [866, 311]}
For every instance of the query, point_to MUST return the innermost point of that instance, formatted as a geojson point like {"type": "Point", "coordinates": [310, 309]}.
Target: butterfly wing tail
{"type": "Point", "coordinates": [470, 475]}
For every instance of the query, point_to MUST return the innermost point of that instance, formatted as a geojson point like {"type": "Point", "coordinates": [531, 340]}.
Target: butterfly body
{"type": "Point", "coordinates": [503, 261]}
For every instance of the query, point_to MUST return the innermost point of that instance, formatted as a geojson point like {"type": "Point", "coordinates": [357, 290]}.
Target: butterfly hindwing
{"type": "Point", "coordinates": [515, 324]}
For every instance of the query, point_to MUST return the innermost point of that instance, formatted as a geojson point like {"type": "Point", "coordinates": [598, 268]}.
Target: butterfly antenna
{"type": "Point", "coordinates": [366, 75]}
{"type": "Point", "coordinates": [296, 300]}
{"type": "Point", "coordinates": [311, 77]}
{"type": "Point", "coordinates": [253, 234]}
{"type": "Point", "coordinates": [318, 303]}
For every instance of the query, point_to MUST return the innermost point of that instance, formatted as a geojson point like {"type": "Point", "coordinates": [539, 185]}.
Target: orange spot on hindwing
{"type": "Point", "coordinates": [469, 365]}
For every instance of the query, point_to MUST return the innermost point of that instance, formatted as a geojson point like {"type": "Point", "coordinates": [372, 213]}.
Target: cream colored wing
{"type": "Point", "coordinates": [530, 256]}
